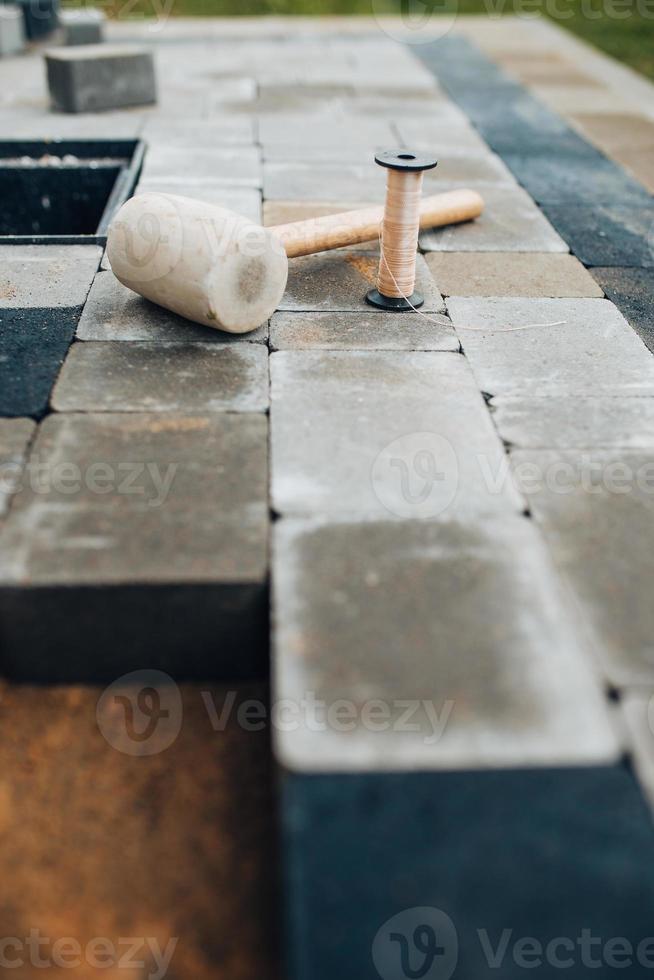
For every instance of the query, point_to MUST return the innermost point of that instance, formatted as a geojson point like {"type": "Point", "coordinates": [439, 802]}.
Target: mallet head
{"type": "Point", "coordinates": [204, 262]}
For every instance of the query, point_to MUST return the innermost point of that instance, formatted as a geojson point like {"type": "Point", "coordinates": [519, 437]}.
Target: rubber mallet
{"type": "Point", "coordinates": [216, 268]}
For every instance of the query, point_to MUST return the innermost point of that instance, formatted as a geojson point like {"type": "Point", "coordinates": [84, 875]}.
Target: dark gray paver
{"type": "Point", "coordinates": [511, 222]}
{"type": "Point", "coordinates": [46, 276]}
{"type": "Point", "coordinates": [15, 436]}
{"type": "Point", "coordinates": [155, 377]}
{"type": "Point", "coordinates": [552, 347]}
{"type": "Point", "coordinates": [606, 234]}
{"type": "Point", "coordinates": [114, 312]}
{"type": "Point", "coordinates": [392, 434]}
{"type": "Point", "coordinates": [518, 691]}
{"type": "Point", "coordinates": [637, 709]}
{"type": "Point", "coordinates": [338, 282]}
{"type": "Point", "coordinates": [574, 422]}
{"type": "Point", "coordinates": [597, 508]}
{"type": "Point", "coordinates": [33, 345]}
{"type": "Point", "coordinates": [553, 852]}
{"type": "Point", "coordinates": [588, 177]}
{"type": "Point", "coordinates": [537, 274]}
{"type": "Point", "coordinates": [362, 331]}
{"type": "Point", "coordinates": [139, 541]}
{"type": "Point", "coordinates": [82, 26]}
{"type": "Point", "coordinates": [632, 290]}
{"type": "Point", "coordinates": [94, 77]}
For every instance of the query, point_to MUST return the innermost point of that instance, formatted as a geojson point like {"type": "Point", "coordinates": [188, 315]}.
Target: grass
{"type": "Point", "coordinates": [621, 28]}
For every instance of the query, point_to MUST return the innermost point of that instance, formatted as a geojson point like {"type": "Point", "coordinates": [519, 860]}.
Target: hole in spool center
{"type": "Point", "coordinates": [406, 156]}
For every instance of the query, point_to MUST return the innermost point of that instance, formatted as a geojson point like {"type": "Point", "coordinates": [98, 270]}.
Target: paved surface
{"type": "Point", "coordinates": [459, 503]}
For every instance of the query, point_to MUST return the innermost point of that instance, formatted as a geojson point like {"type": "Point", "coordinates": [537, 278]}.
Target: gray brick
{"type": "Point", "coordinates": [571, 422]}
{"type": "Point", "coordinates": [362, 331]}
{"type": "Point", "coordinates": [324, 129]}
{"type": "Point", "coordinates": [511, 222]}
{"type": "Point", "coordinates": [246, 201]}
{"type": "Point", "coordinates": [182, 133]}
{"type": "Point", "coordinates": [239, 166]}
{"type": "Point", "coordinates": [597, 510]}
{"type": "Point", "coordinates": [552, 347]}
{"type": "Point", "coordinates": [387, 434]}
{"type": "Point", "coordinates": [155, 377]}
{"type": "Point", "coordinates": [46, 276]}
{"type": "Point", "coordinates": [15, 436]}
{"type": "Point", "coordinates": [338, 282]}
{"type": "Point", "coordinates": [82, 26]}
{"type": "Point", "coordinates": [92, 77]}
{"type": "Point", "coordinates": [12, 30]}
{"type": "Point", "coordinates": [352, 182]}
{"type": "Point", "coordinates": [141, 538]}
{"type": "Point", "coordinates": [432, 594]}
{"type": "Point", "coordinates": [113, 312]}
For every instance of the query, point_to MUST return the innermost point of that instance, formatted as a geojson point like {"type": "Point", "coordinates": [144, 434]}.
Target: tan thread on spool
{"type": "Point", "coordinates": [399, 235]}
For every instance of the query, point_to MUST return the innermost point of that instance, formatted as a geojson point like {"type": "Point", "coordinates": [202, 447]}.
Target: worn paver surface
{"type": "Point", "coordinates": [449, 513]}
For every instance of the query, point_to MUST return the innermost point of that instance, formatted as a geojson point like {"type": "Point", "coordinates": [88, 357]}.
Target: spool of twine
{"type": "Point", "coordinates": [399, 234]}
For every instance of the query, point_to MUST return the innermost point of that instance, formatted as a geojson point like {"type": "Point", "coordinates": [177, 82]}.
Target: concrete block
{"type": "Point", "coordinates": [597, 510]}
{"type": "Point", "coordinates": [15, 437]}
{"type": "Point", "coordinates": [91, 780]}
{"type": "Point", "coordinates": [606, 235]}
{"type": "Point", "coordinates": [638, 163]}
{"type": "Point", "coordinates": [337, 282]}
{"type": "Point", "coordinates": [636, 707]}
{"type": "Point", "coordinates": [82, 26]}
{"type": "Point", "coordinates": [531, 274]}
{"type": "Point", "coordinates": [40, 18]}
{"type": "Point", "coordinates": [355, 183]}
{"type": "Point", "coordinates": [362, 331]}
{"type": "Point", "coordinates": [156, 377]}
{"type": "Point", "coordinates": [113, 312]}
{"type": "Point", "coordinates": [163, 521]}
{"type": "Point", "coordinates": [47, 276]}
{"type": "Point", "coordinates": [511, 222]}
{"type": "Point", "coordinates": [616, 131]}
{"type": "Point", "coordinates": [240, 166]}
{"type": "Point", "coordinates": [33, 345]}
{"type": "Point", "coordinates": [573, 422]}
{"type": "Point", "coordinates": [184, 133]}
{"type": "Point", "coordinates": [324, 129]}
{"type": "Point", "coordinates": [556, 178]}
{"type": "Point", "coordinates": [380, 855]}
{"type": "Point", "coordinates": [632, 292]}
{"type": "Point", "coordinates": [552, 347]}
{"type": "Point", "coordinates": [390, 434]}
{"type": "Point", "coordinates": [94, 77]}
{"type": "Point", "coordinates": [12, 30]}
{"type": "Point", "coordinates": [449, 594]}
{"type": "Point", "coordinates": [246, 201]}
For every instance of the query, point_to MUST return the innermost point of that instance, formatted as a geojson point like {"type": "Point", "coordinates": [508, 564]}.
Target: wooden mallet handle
{"type": "Point", "coordinates": [355, 227]}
